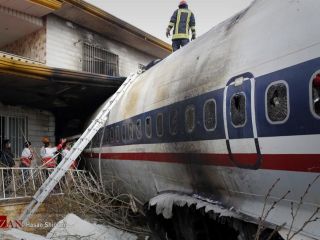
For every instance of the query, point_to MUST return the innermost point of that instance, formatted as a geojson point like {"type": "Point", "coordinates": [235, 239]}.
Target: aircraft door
{"type": "Point", "coordinates": [240, 122]}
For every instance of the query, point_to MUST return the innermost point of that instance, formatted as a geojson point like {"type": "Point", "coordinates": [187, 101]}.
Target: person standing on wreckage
{"type": "Point", "coordinates": [181, 21]}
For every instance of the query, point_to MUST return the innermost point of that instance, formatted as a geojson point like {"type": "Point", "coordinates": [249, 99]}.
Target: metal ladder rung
{"type": "Point", "coordinates": [75, 151]}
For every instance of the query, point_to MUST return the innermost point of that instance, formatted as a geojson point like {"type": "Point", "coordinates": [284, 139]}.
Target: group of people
{"type": "Point", "coordinates": [48, 153]}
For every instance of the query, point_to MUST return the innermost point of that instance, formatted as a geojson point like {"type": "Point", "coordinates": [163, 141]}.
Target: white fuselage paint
{"type": "Point", "coordinates": [270, 35]}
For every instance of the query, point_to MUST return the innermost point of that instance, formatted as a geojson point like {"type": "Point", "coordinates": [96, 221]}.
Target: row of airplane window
{"type": "Point", "coordinates": [277, 112]}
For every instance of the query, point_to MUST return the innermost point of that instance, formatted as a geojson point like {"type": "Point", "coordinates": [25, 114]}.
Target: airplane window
{"type": "Point", "coordinates": [238, 109]}
{"type": "Point", "coordinates": [160, 125]}
{"type": "Point", "coordinates": [138, 129]}
{"type": "Point", "coordinates": [210, 115]}
{"type": "Point", "coordinates": [106, 136]}
{"type": "Point", "coordinates": [148, 127]}
{"type": "Point", "coordinates": [316, 94]}
{"type": "Point", "coordinates": [189, 118]}
{"type": "Point", "coordinates": [277, 102]}
{"type": "Point", "coordinates": [112, 135]}
{"type": "Point", "coordinates": [173, 124]}
{"type": "Point", "coordinates": [117, 133]}
{"type": "Point", "coordinates": [130, 131]}
{"type": "Point", "coordinates": [123, 132]}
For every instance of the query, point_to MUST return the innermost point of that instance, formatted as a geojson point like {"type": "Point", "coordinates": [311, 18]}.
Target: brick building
{"type": "Point", "coordinates": [59, 60]}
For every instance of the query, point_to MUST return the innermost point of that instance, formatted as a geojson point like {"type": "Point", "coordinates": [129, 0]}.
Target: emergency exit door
{"type": "Point", "coordinates": [240, 122]}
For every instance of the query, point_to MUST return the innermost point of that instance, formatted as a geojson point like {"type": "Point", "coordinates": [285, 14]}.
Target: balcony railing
{"type": "Point", "coordinates": [20, 183]}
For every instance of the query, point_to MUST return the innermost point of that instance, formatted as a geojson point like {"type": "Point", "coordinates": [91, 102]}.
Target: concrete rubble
{"type": "Point", "coordinates": [72, 227]}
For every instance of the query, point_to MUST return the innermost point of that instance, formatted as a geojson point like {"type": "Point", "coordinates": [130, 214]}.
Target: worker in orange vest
{"type": "Point", "coordinates": [48, 152]}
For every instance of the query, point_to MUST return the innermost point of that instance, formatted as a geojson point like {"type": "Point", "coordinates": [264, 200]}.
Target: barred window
{"type": "Point", "coordinates": [238, 109]}
{"type": "Point", "coordinates": [210, 115]}
{"type": "Point", "coordinates": [277, 102]}
{"type": "Point", "coordinates": [148, 127]}
{"type": "Point", "coordinates": [190, 119]}
{"type": "Point", "coordinates": [100, 61]}
{"type": "Point", "coordinates": [159, 125]}
{"type": "Point", "coordinates": [15, 129]}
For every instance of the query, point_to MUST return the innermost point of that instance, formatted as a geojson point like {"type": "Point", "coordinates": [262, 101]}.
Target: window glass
{"type": "Point", "coordinates": [112, 135]}
{"type": "Point", "coordinates": [148, 127]}
{"type": "Point", "coordinates": [316, 94]}
{"type": "Point", "coordinates": [238, 109]}
{"type": "Point", "coordinates": [138, 129]}
{"type": "Point", "coordinates": [277, 102]}
{"type": "Point", "coordinates": [123, 133]}
{"type": "Point", "coordinates": [117, 133]}
{"type": "Point", "coordinates": [189, 119]}
{"type": "Point", "coordinates": [173, 124]}
{"type": "Point", "coordinates": [160, 124]}
{"type": "Point", "coordinates": [106, 137]}
{"type": "Point", "coordinates": [130, 131]}
{"type": "Point", "coordinates": [209, 112]}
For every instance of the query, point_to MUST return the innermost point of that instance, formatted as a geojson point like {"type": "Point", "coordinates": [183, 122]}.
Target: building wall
{"type": "Point", "coordinates": [31, 46]}
{"type": "Point", "coordinates": [65, 41]}
{"type": "Point", "coordinates": [39, 123]}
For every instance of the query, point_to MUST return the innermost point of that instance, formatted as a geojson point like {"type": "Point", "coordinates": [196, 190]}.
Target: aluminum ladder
{"type": "Point", "coordinates": [75, 151]}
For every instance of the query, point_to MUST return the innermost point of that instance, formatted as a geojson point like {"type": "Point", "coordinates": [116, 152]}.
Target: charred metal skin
{"type": "Point", "coordinates": [225, 117]}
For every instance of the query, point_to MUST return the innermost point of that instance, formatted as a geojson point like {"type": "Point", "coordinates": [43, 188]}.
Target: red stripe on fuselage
{"type": "Point", "coordinates": [285, 162]}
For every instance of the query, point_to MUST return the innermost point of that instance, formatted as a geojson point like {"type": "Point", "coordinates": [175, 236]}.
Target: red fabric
{"type": "Point", "coordinates": [59, 147]}
{"type": "Point", "coordinates": [48, 162]}
{"type": "Point", "coordinates": [73, 165]}
{"type": "Point", "coordinates": [316, 81]}
{"type": "Point", "coordinates": [26, 162]}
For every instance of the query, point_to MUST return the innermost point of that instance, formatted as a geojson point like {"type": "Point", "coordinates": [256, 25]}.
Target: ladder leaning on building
{"type": "Point", "coordinates": [75, 151]}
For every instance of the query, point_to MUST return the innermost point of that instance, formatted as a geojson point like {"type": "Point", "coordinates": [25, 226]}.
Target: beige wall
{"type": "Point", "coordinates": [65, 41]}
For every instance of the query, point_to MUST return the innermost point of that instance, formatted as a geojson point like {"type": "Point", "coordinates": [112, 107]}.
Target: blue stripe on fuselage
{"type": "Point", "coordinates": [300, 122]}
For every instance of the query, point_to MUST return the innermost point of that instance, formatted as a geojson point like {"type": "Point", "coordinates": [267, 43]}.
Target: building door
{"type": "Point", "coordinates": [240, 122]}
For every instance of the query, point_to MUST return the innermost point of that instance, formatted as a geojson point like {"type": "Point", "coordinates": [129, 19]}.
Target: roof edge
{"type": "Point", "coordinates": [98, 12]}
{"type": "Point", "coordinates": [42, 72]}
{"type": "Point", "coordinates": [52, 4]}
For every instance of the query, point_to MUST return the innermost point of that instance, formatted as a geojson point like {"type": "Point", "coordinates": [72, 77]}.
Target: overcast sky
{"type": "Point", "coordinates": [153, 16]}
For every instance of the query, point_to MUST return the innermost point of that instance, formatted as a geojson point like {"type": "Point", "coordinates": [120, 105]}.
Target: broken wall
{"type": "Point", "coordinates": [32, 46]}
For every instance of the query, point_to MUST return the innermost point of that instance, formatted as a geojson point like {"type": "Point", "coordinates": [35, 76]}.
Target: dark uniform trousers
{"type": "Point", "coordinates": [178, 43]}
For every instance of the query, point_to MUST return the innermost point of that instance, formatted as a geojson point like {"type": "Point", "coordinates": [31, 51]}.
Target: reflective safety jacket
{"type": "Point", "coordinates": [182, 21]}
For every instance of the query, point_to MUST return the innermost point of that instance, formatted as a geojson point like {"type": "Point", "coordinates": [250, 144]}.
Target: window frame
{"type": "Point", "coordinates": [145, 127]}
{"type": "Point", "coordinates": [170, 129]}
{"type": "Point", "coordinates": [313, 112]}
{"type": "Point", "coordinates": [130, 131]}
{"type": "Point", "coordinates": [245, 109]}
{"type": "Point", "coordinates": [191, 106]}
{"type": "Point", "coordinates": [117, 133]}
{"type": "Point", "coordinates": [136, 127]}
{"type": "Point", "coordinates": [266, 102]}
{"type": "Point", "coordinates": [204, 114]}
{"type": "Point", "coordinates": [123, 130]}
{"type": "Point", "coordinates": [162, 125]}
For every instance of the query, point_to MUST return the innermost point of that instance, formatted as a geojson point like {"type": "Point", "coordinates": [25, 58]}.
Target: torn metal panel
{"type": "Point", "coordinates": [164, 203]}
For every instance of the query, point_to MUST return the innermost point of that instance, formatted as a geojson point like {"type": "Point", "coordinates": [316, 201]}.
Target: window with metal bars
{"type": "Point", "coordinates": [100, 61]}
{"type": "Point", "coordinates": [15, 129]}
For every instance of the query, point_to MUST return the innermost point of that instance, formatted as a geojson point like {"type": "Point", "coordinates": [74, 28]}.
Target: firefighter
{"type": "Point", "coordinates": [26, 158]}
{"type": "Point", "coordinates": [181, 21]}
{"type": "Point", "coordinates": [48, 152]}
